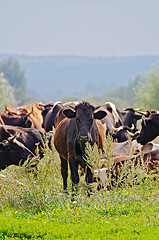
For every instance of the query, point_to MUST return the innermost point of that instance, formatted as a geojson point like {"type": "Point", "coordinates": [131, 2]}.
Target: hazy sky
{"type": "Point", "coordinates": [79, 27]}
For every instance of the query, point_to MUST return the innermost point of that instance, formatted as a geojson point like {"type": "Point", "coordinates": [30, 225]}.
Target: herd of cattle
{"type": "Point", "coordinates": [23, 128]}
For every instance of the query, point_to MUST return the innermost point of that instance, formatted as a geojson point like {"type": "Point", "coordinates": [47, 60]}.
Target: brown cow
{"type": "Point", "coordinates": [81, 125]}
{"type": "Point", "coordinates": [30, 137]}
{"type": "Point", "coordinates": [13, 152]}
{"type": "Point", "coordinates": [149, 157]}
{"type": "Point", "coordinates": [36, 117]}
{"type": "Point", "coordinates": [21, 121]}
{"type": "Point", "coordinates": [49, 112]}
{"type": "Point", "coordinates": [52, 114]}
{"type": "Point", "coordinates": [60, 116]}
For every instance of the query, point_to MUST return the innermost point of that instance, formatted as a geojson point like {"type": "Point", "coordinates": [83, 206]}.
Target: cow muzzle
{"type": "Point", "coordinates": [83, 139]}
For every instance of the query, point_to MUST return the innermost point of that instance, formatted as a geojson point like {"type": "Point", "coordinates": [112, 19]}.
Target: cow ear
{"type": "Point", "coordinates": [138, 117]}
{"type": "Point", "coordinates": [99, 115]}
{"type": "Point", "coordinates": [69, 113]}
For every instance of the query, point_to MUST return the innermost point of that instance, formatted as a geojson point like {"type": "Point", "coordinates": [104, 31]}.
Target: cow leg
{"type": "Point", "coordinates": [74, 173]}
{"type": "Point", "coordinates": [89, 176]}
{"type": "Point", "coordinates": [64, 172]}
{"type": "Point", "coordinates": [89, 179]}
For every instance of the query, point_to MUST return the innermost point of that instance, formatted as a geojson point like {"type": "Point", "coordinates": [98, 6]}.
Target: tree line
{"type": "Point", "coordinates": [143, 91]}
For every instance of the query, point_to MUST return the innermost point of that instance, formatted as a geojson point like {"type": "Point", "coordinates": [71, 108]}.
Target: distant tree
{"type": "Point", "coordinates": [125, 95]}
{"type": "Point", "coordinates": [122, 96]}
{"type": "Point", "coordinates": [131, 89]}
{"type": "Point", "coordinates": [147, 91]}
{"type": "Point", "coordinates": [16, 77]}
{"type": "Point", "coordinates": [7, 96]}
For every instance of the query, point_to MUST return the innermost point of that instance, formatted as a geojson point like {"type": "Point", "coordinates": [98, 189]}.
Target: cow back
{"type": "Point", "coordinates": [35, 116]}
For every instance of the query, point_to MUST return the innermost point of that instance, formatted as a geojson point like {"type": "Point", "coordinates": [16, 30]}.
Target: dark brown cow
{"type": "Point", "coordinates": [46, 109]}
{"type": "Point", "coordinates": [13, 152]}
{"type": "Point", "coordinates": [30, 137]}
{"type": "Point", "coordinates": [35, 117]}
{"type": "Point", "coordinates": [60, 116]}
{"type": "Point", "coordinates": [150, 158]}
{"type": "Point", "coordinates": [149, 130]}
{"type": "Point", "coordinates": [52, 115]}
{"type": "Point", "coordinates": [49, 112]}
{"type": "Point", "coordinates": [81, 125]}
{"type": "Point", "coordinates": [21, 121]}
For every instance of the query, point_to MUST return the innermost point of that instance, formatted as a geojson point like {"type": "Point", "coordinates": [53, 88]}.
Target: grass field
{"type": "Point", "coordinates": [37, 208]}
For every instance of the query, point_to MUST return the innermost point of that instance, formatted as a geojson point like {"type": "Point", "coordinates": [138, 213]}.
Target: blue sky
{"type": "Point", "coordinates": [79, 27]}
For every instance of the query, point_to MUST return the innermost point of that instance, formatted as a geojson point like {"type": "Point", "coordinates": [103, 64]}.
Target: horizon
{"type": "Point", "coordinates": [75, 55]}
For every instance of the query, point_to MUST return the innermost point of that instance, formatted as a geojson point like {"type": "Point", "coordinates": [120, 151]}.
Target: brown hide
{"type": "Point", "coordinates": [35, 116]}
{"type": "Point", "coordinates": [78, 127]}
{"type": "Point", "coordinates": [30, 137]}
{"type": "Point", "coordinates": [21, 121]}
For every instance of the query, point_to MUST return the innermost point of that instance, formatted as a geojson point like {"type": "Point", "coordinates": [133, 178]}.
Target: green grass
{"type": "Point", "coordinates": [39, 209]}
{"type": "Point", "coordinates": [131, 213]}
{"type": "Point", "coordinates": [128, 216]}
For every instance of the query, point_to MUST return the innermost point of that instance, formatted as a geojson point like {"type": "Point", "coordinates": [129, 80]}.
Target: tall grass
{"type": "Point", "coordinates": [24, 191]}
{"type": "Point", "coordinates": [130, 172]}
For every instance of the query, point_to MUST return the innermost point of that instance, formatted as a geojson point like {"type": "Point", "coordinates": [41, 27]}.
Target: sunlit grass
{"type": "Point", "coordinates": [35, 206]}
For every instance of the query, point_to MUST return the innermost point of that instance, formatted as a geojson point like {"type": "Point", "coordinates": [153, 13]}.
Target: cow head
{"type": "Point", "coordinates": [17, 121]}
{"type": "Point", "coordinates": [130, 118]}
{"type": "Point", "coordinates": [14, 151]}
{"type": "Point", "coordinates": [21, 120]}
{"type": "Point", "coordinates": [149, 130]}
{"type": "Point", "coordinates": [26, 122]}
{"type": "Point", "coordinates": [45, 108]}
{"type": "Point", "coordinates": [15, 111]}
{"type": "Point", "coordinates": [121, 134]}
{"type": "Point", "coordinates": [84, 115]}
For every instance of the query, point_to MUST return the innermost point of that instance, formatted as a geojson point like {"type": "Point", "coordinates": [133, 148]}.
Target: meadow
{"type": "Point", "coordinates": [37, 207]}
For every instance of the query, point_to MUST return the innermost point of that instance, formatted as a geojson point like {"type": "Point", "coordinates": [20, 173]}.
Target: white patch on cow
{"type": "Point", "coordinates": [114, 112]}
{"type": "Point", "coordinates": [71, 103]}
{"type": "Point", "coordinates": [58, 102]}
{"type": "Point", "coordinates": [101, 175]}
